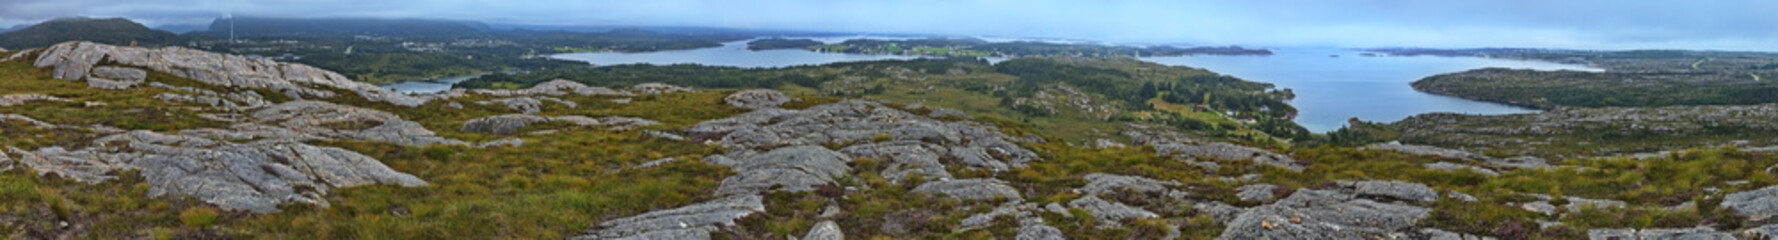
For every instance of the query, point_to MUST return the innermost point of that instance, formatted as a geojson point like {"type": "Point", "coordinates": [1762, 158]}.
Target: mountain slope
{"type": "Point", "coordinates": [109, 30]}
{"type": "Point", "coordinates": [347, 27]}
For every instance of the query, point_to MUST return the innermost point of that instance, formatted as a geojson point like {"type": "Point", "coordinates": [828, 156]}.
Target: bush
{"type": "Point", "coordinates": [198, 217]}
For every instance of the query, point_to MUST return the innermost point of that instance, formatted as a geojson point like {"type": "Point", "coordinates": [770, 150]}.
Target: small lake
{"type": "Point", "coordinates": [1330, 90]}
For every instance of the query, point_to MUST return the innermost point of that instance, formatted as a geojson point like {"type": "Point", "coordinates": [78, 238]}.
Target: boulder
{"type": "Point", "coordinates": [970, 189]}
{"type": "Point", "coordinates": [527, 105]}
{"type": "Point", "coordinates": [757, 99]}
{"type": "Point", "coordinates": [502, 124]}
{"type": "Point", "coordinates": [689, 222]}
{"type": "Point", "coordinates": [1404, 191]}
{"type": "Point", "coordinates": [826, 230]}
{"type": "Point", "coordinates": [1440, 234]}
{"type": "Point", "coordinates": [1446, 166]}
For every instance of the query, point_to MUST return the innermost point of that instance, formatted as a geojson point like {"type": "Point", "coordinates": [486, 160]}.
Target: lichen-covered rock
{"type": "Point", "coordinates": [1404, 191]}
{"type": "Point", "coordinates": [1039, 232]}
{"type": "Point", "coordinates": [347, 122]}
{"type": "Point", "coordinates": [826, 230]}
{"type": "Point", "coordinates": [527, 105]}
{"type": "Point", "coordinates": [77, 61]}
{"type": "Point", "coordinates": [689, 222]}
{"type": "Point", "coordinates": [1256, 192]}
{"type": "Point", "coordinates": [1101, 183]}
{"type": "Point", "coordinates": [757, 99]}
{"type": "Point", "coordinates": [1755, 205]}
{"type": "Point", "coordinates": [107, 77]}
{"type": "Point", "coordinates": [1226, 151]}
{"type": "Point", "coordinates": [975, 145]}
{"type": "Point", "coordinates": [556, 87]}
{"type": "Point", "coordinates": [504, 142]}
{"type": "Point", "coordinates": [257, 176]}
{"type": "Point", "coordinates": [1697, 233]}
{"type": "Point", "coordinates": [1108, 211]}
{"type": "Point", "coordinates": [1769, 231]}
{"type": "Point", "coordinates": [970, 189]}
{"type": "Point", "coordinates": [20, 99]}
{"type": "Point", "coordinates": [502, 124]}
{"type": "Point", "coordinates": [1440, 234]}
{"type": "Point", "coordinates": [792, 169]}
{"type": "Point", "coordinates": [658, 88]}
{"type": "Point", "coordinates": [1324, 214]}
{"type": "Point", "coordinates": [1460, 167]}
{"type": "Point", "coordinates": [906, 158]}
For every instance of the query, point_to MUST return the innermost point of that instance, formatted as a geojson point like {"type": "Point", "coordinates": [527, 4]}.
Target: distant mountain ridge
{"type": "Point", "coordinates": [259, 26]}
{"type": "Point", "coordinates": [117, 31]}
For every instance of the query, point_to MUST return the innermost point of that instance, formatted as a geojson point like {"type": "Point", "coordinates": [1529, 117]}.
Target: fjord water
{"type": "Point", "coordinates": [1329, 89]}
{"type": "Point", "coordinates": [734, 54]}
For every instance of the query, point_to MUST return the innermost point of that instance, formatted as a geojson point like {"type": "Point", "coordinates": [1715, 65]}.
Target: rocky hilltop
{"type": "Point", "coordinates": [105, 141]}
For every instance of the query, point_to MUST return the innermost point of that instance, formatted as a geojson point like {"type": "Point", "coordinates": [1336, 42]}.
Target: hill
{"type": "Point", "coordinates": [113, 142]}
{"type": "Point", "coordinates": [107, 30]}
{"type": "Point", "coordinates": [347, 27]}
{"type": "Point", "coordinates": [1642, 78]}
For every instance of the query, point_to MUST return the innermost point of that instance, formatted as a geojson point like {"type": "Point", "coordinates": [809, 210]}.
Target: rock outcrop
{"type": "Point", "coordinates": [826, 230]}
{"type": "Point", "coordinates": [1405, 191]}
{"type": "Point", "coordinates": [1755, 205]}
{"type": "Point", "coordinates": [1512, 162]}
{"type": "Point", "coordinates": [757, 99]}
{"type": "Point", "coordinates": [1178, 146]}
{"type": "Point", "coordinates": [78, 61]}
{"type": "Point", "coordinates": [689, 222]}
{"type": "Point", "coordinates": [974, 145]}
{"type": "Point", "coordinates": [970, 189]}
{"type": "Point", "coordinates": [1697, 233]}
{"type": "Point", "coordinates": [347, 122]}
{"type": "Point", "coordinates": [255, 176]}
{"type": "Point", "coordinates": [793, 169]}
{"type": "Point", "coordinates": [1326, 214]}
{"type": "Point", "coordinates": [21, 99]}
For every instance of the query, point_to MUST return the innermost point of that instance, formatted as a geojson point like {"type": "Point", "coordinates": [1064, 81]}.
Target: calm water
{"type": "Point", "coordinates": [734, 54]}
{"type": "Point", "coordinates": [1330, 90]}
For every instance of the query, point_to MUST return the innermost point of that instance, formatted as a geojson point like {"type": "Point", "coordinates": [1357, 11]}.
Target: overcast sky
{"type": "Point", "coordinates": [1586, 24]}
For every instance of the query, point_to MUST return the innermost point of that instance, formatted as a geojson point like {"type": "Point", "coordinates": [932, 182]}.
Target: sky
{"type": "Point", "coordinates": [1579, 24]}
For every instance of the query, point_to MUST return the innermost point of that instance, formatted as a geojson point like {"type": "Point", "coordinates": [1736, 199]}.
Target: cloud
{"type": "Point", "coordinates": [1593, 24]}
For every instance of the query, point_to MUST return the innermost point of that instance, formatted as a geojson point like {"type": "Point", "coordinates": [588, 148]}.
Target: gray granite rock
{"type": "Point", "coordinates": [973, 144]}
{"type": "Point", "coordinates": [689, 222]}
{"type": "Point", "coordinates": [792, 169]}
{"type": "Point", "coordinates": [78, 60]}
{"type": "Point", "coordinates": [21, 99]}
{"type": "Point", "coordinates": [1101, 183]}
{"type": "Point", "coordinates": [108, 77]}
{"type": "Point", "coordinates": [1396, 190]}
{"type": "Point", "coordinates": [1226, 151]}
{"type": "Point", "coordinates": [658, 88]}
{"type": "Point", "coordinates": [1324, 214]}
{"type": "Point", "coordinates": [1108, 211]}
{"type": "Point", "coordinates": [970, 189]}
{"type": "Point", "coordinates": [1439, 234]}
{"type": "Point", "coordinates": [1755, 205]}
{"type": "Point", "coordinates": [1697, 233]}
{"type": "Point", "coordinates": [1446, 166]}
{"type": "Point", "coordinates": [256, 176]}
{"type": "Point", "coordinates": [503, 142]}
{"type": "Point", "coordinates": [1039, 232]}
{"type": "Point", "coordinates": [555, 87]}
{"type": "Point", "coordinates": [1255, 192]}
{"type": "Point", "coordinates": [527, 105]}
{"type": "Point", "coordinates": [502, 124]}
{"type": "Point", "coordinates": [757, 99]}
{"type": "Point", "coordinates": [1769, 231]}
{"type": "Point", "coordinates": [826, 230]}
{"type": "Point", "coordinates": [348, 122]}
{"type": "Point", "coordinates": [905, 158]}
